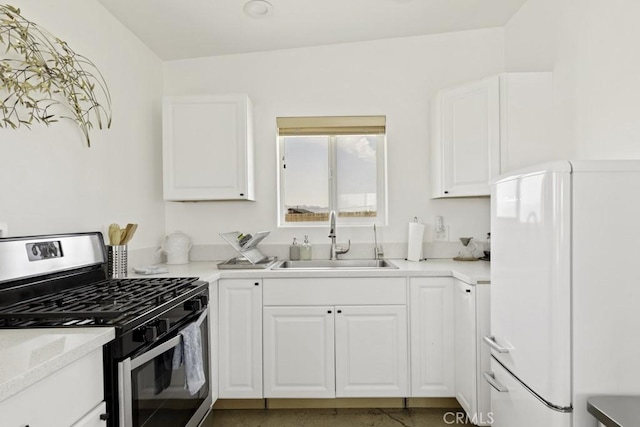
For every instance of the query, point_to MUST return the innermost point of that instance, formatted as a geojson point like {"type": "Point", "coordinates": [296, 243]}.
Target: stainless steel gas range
{"type": "Point", "coordinates": [60, 281]}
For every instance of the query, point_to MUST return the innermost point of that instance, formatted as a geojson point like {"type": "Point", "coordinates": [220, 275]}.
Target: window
{"type": "Point", "coordinates": [332, 163]}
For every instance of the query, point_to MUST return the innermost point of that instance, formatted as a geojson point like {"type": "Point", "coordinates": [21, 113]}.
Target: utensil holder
{"type": "Point", "coordinates": [117, 261]}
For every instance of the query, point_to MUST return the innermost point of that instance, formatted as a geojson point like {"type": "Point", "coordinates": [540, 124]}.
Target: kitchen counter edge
{"type": "Point", "coordinates": [85, 341]}
{"type": "Point", "coordinates": [471, 272]}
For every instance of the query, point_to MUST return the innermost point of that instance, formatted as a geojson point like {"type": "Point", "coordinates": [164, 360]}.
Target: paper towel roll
{"type": "Point", "coordinates": [414, 251]}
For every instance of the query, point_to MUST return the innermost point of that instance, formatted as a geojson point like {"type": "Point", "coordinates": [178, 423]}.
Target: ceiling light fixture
{"type": "Point", "coordinates": [257, 8]}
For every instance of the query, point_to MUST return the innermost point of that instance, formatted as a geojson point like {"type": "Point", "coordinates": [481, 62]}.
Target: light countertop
{"type": "Point", "coordinates": [29, 355]}
{"type": "Point", "coordinates": [472, 272]}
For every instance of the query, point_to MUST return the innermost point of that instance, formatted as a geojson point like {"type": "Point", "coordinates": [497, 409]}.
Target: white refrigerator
{"type": "Point", "coordinates": [565, 295]}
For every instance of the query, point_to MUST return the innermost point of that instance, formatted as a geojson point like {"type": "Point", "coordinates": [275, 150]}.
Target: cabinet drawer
{"type": "Point", "coordinates": [60, 399]}
{"type": "Point", "coordinates": [335, 291]}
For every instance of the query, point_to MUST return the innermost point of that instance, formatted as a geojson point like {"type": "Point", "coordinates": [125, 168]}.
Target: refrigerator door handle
{"type": "Point", "coordinates": [491, 379]}
{"type": "Point", "coordinates": [490, 340]}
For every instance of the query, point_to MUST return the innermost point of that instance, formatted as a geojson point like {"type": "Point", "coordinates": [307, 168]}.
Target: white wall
{"type": "Point", "coordinates": [592, 47]}
{"type": "Point", "coordinates": [50, 181]}
{"type": "Point", "coordinates": [395, 77]}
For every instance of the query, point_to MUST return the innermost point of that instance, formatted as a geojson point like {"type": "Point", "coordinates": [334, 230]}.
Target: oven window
{"type": "Point", "coordinates": [158, 391]}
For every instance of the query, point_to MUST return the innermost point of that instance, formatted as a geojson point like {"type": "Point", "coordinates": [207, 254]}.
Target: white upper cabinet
{"type": "Point", "coordinates": [208, 148]}
{"type": "Point", "coordinates": [488, 127]}
{"type": "Point", "coordinates": [467, 141]}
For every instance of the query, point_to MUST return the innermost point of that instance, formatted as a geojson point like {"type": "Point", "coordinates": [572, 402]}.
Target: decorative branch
{"type": "Point", "coordinates": [42, 78]}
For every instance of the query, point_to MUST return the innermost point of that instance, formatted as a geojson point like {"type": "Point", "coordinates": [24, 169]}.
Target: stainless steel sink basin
{"type": "Point", "coordinates": [340, 264]}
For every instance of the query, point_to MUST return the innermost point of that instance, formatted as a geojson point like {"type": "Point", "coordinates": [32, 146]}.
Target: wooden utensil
{"type": "Point", "coordinates": [131, 232]}
{"type": "Point", "coordinates": [114, 233]}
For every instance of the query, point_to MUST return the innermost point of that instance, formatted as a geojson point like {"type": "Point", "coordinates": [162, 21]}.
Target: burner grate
{"type": "Point", "coordinates": [107, 302]}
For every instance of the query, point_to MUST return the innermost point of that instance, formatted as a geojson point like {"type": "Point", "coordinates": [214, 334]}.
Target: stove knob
{"type": "Point", "coordinates": [204, 299]}
{"type": "Point", "coordinates": [193, 305]}
{"type": "Point", "coordinates": [163, 325]}
{"type": "Point", "coordinates": [146, 334]}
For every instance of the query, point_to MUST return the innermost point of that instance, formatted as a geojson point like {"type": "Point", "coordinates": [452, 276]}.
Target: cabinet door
{"type": "Point", "coordinates": [468, 139]}
{"type": "Point", "coordinates": [213, 339]}
{"type": "Point", "coordinates": [371, 351]}
{"type": "Point", "coordinates": [208, 148]}
{"type": "Point", "coordinates": [432, 365]}
{"type": "Point", "coordinates": [465, 347]}
{"type": "Point", "coordinates": [299, 352]}
{"type": "Point", "coordinates": [240, 339]}
{"type": "Point", "coordinates": [483, 364]}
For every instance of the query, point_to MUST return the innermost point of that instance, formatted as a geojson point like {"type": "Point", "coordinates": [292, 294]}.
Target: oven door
{"type": "Point", "coordinates": [152, 393]}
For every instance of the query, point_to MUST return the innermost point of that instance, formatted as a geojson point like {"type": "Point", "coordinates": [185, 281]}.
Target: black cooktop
{"type": "Point", "coordinates": [112, 302]}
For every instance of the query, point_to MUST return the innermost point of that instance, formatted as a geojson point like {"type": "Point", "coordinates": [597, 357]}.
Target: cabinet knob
{"type": "Point", "coordinates": [104, 417]}
{"type": "Point", "coordinates": [242, 194]}
{"type": "Point", "coordinates": [257, 284]}
{"type": "Point", "coordinates": [468, 291]}
{"type": "Point", "coordinates": [339, 311]}
{"type": "Point", "coordinates": [446, 192]}
{"type": "Point", "coordinates": [329, 311]}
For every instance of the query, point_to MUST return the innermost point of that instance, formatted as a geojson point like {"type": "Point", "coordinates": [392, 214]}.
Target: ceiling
{"type": "Point", "coordinates": [176, 29]}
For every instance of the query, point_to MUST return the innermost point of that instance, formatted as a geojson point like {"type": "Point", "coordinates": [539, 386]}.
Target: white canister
{"type": "Point", "coordinates": [176, 246]}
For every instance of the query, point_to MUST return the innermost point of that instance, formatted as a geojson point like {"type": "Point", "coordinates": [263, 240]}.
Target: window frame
{"type": "Point", "coordinates": [382, 213]}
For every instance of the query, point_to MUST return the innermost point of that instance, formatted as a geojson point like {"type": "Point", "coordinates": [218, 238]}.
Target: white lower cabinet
{"type": "Point", "coordinates": [335, 351]}
{"type": "Point", "coordinates": [213, 339]}
{"type": "Point", "coordinates": [371, 351]}
{"type": "Point", "coordinates": [240, 339]}
{"type": "Point", "coordinates": [432, 352]}
{"type": "Point", "coordinates": [72, 396]}
{"type": "Point", "coordinates": [299, 352]}
{"type": "Point", "coordinates": [338, 337]}
{"type": "Point", "coordinates": [471, 356]}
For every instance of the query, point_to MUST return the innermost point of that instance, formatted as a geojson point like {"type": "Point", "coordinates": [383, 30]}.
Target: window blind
{"type": "Point", "coordinates": [331, 125]}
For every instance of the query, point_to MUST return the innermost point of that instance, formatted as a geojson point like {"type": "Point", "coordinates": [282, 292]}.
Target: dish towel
{"type": "Point", "coordinates": [189, 354]}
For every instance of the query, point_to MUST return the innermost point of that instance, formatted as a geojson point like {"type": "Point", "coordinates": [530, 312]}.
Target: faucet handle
{"type": "Point", "coordinates": [342, 249]}
{"type": "Point", "coordinates": [378, 252]}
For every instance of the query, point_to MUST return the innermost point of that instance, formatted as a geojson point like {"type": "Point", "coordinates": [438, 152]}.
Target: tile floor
{"type": "Point", "coordinates": [414, 417]}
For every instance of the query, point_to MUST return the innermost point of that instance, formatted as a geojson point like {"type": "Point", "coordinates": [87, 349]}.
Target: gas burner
{"type": "Point", "coordinates": [119, 302]}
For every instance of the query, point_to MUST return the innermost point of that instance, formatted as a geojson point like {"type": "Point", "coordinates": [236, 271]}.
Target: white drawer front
{"type": "Point", "coordinates": [335, 291]}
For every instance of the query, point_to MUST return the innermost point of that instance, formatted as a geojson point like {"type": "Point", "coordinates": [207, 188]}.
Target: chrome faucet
{"type": "Point", "coordinates": [377, 251]}
{"type": "Point", "coordinates": [335, 250]}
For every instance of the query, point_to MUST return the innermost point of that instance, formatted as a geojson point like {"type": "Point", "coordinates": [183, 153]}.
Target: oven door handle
{"type": "Point", "coordinates": [155, 352]}
{"type": "Point", "coordinates": [124, 393]}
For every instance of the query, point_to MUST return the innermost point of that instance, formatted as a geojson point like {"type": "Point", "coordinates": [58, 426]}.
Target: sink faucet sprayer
{"type": "Point", "coordinates": [335, 250]}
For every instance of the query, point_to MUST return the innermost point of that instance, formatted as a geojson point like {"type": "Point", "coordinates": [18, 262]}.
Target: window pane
{"type": "Point", "coordinates": [357, 178]}
{"type": "Point", "coordinates": [306, 178]}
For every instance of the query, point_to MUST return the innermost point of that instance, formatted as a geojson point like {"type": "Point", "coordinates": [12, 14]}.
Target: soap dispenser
{"type": "Point", "coordinates": [294, 251]}
{"type": "Point", "coordinates": [305, 250]}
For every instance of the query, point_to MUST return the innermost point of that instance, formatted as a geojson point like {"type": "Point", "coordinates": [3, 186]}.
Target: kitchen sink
{"type": "Point", "coordinates": [340, 264]}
